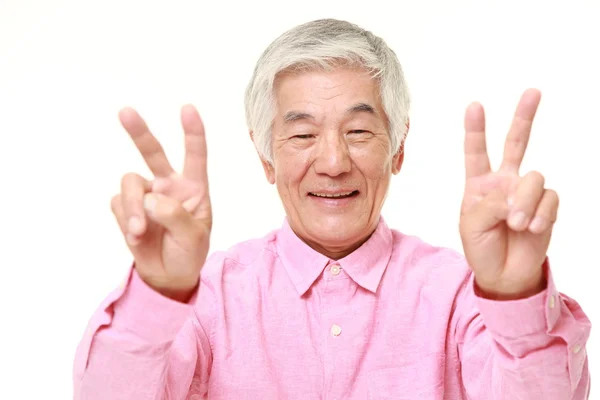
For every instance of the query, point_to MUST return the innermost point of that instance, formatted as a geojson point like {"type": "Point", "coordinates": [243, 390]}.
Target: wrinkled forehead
{"type": "Point", "coordinates": [334, 92]}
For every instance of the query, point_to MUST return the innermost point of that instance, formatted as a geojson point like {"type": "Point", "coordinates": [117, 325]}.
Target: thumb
{"type": "Point", "coordinates": [486, 213]}
{"type": "Point", "coordinates": [173, 216]}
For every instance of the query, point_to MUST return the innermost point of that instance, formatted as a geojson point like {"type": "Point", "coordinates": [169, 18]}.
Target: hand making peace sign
{"type": "Point", "coordinates": [506, 219]}
{"type": "Point", "coordinates": [167, 221]}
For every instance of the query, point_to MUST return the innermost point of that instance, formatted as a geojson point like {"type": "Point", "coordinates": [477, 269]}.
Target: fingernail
{"type": "Point", "coordinates": [149, 202]}
{"type": "Point", "coordinates": [135, 226]}
{"type": "Point", "coordinates": [538, 224]}
{"type": "Point", "coordinates": [517, 219]}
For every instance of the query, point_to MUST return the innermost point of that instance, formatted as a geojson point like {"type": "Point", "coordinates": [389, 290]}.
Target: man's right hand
{"type": "Point", "coordinates": [167, 221]}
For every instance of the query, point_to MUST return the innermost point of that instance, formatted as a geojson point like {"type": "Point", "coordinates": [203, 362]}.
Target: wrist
{"type": "Point", "coordinates": [181, 292]}
{"type": "Point", "coordinates": [182, 296]}
{"type": "Point", "coordinates": [500, 293]}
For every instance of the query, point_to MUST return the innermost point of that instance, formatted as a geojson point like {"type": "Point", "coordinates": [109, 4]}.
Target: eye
{"type": "Point", "coordinates": [358, 131]}
{"type": "Point", "coordinates": [303, 136]}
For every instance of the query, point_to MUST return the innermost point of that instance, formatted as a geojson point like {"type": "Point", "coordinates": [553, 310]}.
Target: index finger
{"type": "Point", "coordinates": [149, 147]}
{"type": "Point", "coordinates": [520, 130]}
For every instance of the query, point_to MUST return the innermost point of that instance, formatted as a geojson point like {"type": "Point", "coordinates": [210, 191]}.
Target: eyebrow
{"type": "Point", "coordinates": [292, 116]}
{"type": "Point", "coordinates": [361, 107]}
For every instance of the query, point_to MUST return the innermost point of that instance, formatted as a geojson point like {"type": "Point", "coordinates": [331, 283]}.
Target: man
{"type": "Point", "coordinates": [335, 304]}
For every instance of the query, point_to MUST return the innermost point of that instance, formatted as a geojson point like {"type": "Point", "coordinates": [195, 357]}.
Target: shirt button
{"type": "Point", "coordinates": [336, 330]}
{"type": "Point", "coordinates": [551, 301]}
{"type": "Point", "coordinates": [576, 348]}
{"type": "Point", "coordinates": [335, 269]}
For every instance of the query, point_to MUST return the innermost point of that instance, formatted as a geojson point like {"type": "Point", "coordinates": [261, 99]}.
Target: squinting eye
{"type": "Point", "coordinates": [303, 136]}
{"type": "Point", "coordinates": [358, 131]}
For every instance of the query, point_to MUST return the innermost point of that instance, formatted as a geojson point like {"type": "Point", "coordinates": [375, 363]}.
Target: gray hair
{"type": "Point", "coordinates": [325, 44]}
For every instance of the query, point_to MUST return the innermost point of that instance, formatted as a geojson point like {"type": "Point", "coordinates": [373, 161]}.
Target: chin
{"type": "Point", "coordinates": [338, 229]}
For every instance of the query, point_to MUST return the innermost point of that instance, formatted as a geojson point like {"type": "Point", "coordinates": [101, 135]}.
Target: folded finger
{"type": "Point", "coordinates": [524, 201]}
{"type": "Point", "coordinates": [173, 216]}
{"type": "Point", "coordinates": [133, 189]}
{"type": "Point", "coordinates": [546, 212]}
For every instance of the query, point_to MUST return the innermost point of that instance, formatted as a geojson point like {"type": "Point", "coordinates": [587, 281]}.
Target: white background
{"type": "Point", "coordinates": [67, 67]}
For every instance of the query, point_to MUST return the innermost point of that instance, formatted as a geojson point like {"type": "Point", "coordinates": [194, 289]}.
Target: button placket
{"type": "Point", "coordinates": [551, 301]}
{"type": "Point", "coordinates": [334, 316]}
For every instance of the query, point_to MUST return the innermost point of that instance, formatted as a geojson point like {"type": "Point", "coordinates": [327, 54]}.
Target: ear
{"type": "Point", "coordinates": [267, 166]}
{"type": "Point", "coordinates": [269, 171]}
{"type": "Point", "coordinates": [398, 160]}
{"type": "Point", "coordinates": [399, 156]}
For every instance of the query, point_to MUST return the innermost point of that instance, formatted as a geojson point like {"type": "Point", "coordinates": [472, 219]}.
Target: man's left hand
{"type": "Point", "coordinates": [506, 219]}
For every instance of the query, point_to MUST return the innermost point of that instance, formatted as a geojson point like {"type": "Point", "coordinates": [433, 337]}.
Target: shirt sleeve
{"type": "Point", "coordinates": [141, 345]}
{"type": "Point", "coordinates": [533, 348]}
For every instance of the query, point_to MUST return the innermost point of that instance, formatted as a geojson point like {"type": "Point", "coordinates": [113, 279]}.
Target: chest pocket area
{"type": "Point", "coordinates": [421, 379]}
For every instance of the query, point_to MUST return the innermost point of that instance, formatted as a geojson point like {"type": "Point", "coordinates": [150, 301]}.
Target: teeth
{"type": "Point", "coordinates": [333, 195]}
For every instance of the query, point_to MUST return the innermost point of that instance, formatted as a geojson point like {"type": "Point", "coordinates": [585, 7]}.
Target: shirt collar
{"type": "Point", "coordinates": [364, 265]}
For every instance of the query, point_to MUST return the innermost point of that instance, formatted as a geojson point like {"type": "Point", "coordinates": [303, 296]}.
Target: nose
{"type": "Point", "coordinates": [333, 156]}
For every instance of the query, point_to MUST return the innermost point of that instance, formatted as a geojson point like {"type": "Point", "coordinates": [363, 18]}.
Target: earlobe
{"type": "Point", "coordinates": [267, 167]}
{"type": "Point", "coordinates": [398, 160]}
{"type": "Point", "coordinates": [399, 156]}
{"type": "Point", "coordinates": [269, 171]}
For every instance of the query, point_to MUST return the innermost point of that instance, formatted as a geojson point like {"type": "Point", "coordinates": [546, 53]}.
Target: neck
{"type": "Point", "coordinates": [336, 251]}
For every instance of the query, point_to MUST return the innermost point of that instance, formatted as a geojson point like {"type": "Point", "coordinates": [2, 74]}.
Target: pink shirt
{"type": "Point", "coordinates": [273, 319]}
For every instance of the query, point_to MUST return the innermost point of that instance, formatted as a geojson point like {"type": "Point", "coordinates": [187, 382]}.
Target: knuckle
{"type": "Point", "coordinates": [548, 206]}
{"type": "Point", "coordinates": [133, 191]}
{"type": "Point", "coordinates": [132, 182]}
{"type": "Point", "coordinates": [537, 177]}
{"type": "Point", "coordinates": [115, 202]}
{"type": "Point", "coordinates": [116, 206]}
{"type": "Point", "coordinates": [129, 177]}
{"type": "Point", "coordinates": [552, 196]}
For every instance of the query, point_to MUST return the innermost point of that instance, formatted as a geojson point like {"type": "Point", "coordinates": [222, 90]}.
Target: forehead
{"type": "Point", "coordinates": [317, 91]}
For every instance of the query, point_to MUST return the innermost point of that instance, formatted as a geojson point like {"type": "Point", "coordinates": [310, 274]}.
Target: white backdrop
{"type": "Point", "coordinates": [67, 67]}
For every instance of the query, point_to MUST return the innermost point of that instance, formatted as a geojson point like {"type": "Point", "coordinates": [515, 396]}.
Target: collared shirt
{"type": "Point", "coordinates": [273, 319]}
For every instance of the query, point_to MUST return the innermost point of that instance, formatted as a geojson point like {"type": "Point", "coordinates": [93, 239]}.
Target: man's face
{"type": "Point", "coordinates": [332, 157]}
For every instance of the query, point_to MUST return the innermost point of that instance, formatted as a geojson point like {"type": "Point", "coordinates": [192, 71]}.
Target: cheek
{"type": "Point", "coordinates": [291, 167]}
{"type": "Point", "coordinates": [378, 176]}
{"type": "Point", "coordinates": [375, 164]}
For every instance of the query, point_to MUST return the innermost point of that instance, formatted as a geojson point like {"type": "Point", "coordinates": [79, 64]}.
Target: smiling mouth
{"type": "Point", "coordinates": [334, 196]}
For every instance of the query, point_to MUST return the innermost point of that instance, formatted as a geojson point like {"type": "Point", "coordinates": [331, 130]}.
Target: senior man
{"type": "Point", "coordinates": [335, 304]}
